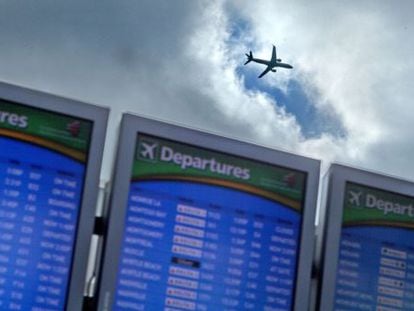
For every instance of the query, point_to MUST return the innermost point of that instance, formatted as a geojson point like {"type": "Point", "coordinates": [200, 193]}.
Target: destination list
{"type": "Point", "coordinates": [180, 254]}
{"type": "Point", "coordinates": [374, 275]}
{"type": "Point", "coordinates": [38, 217]}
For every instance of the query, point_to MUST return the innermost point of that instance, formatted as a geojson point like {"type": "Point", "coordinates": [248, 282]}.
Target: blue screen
{"type": "Point", "coordinates": [40, 194]}
{"type": "Point", "coordinates": [195, 246]}
{"type": "Point", "coordinates": [375, 269]}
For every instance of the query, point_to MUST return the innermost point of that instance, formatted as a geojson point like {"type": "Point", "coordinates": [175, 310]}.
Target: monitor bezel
{"type": "Point", "coordinates": [99, 117]}
{"type": "Point", "coordinates": [338, 176]}
{"type": "Point", "coordinates": [132, 125]}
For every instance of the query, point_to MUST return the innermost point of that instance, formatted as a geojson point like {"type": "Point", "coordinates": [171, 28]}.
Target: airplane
{"type": "Point", "coordinates": [274, 62]}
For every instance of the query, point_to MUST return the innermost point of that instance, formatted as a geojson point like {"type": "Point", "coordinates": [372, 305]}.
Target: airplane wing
{"type": "Point", "coordinates": [265, 71]}
{"type": "Point", "coordinates": [273, 60]}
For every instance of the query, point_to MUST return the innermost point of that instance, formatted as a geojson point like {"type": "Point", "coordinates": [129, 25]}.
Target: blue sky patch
{"type": "Point", "coordinates": [313, 121]}
{"type": "Point", "coordinates": [239, 30]}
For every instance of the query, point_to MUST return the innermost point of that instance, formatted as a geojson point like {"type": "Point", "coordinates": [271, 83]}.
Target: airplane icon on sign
{"type": "Point", "coordinates": [355, 198]}
{"type": "Point", "coordinates": [149, 150]}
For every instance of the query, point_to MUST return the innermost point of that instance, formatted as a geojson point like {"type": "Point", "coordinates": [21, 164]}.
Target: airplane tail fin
{"type": "Point", "coordinates": [249, 57]}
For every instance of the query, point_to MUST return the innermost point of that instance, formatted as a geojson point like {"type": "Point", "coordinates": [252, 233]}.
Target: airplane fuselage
{"type": "Point", "coordinates": [271, 64]}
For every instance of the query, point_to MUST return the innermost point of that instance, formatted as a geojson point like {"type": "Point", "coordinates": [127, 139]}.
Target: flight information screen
{"type": "Point", "coordinates": [376, 255]}
{"type": "Point", "coordinates": [42, 168]}
{"type": "Point", "coordinates": [208, 231]}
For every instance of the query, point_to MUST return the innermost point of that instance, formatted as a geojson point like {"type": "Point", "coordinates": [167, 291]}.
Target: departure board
{"type": "Point", "coordinates": [205, 230]}
{"type": "Point", "coordinates": [376, 252]}
{"type": "Point", "coordinates": [43, 158]}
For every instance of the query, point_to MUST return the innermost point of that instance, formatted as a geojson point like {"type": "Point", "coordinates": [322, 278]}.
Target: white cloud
{"type": "Point", "coordinates": [177, 61]}
{"type": "Point", "coordinates": [355, 56]}
{"type": "Point", "coordinates": [213, 58]}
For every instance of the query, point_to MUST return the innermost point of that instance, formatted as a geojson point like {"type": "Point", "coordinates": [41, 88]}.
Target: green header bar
{"type": "Point", "coordinates": [50, 129]}
{"type": "Point", "coordinates": [366, 205]}
{"type": "Point", "coordinates": [160, 158]}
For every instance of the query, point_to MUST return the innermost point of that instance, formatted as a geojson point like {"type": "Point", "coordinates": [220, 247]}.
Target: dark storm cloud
{"type": "Point", "coordinates": [129, 55]}
{"type": "Point", "coordinates": [126, 34]}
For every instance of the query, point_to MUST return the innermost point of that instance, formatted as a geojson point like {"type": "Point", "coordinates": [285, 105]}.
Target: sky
{"type": "Point", "coordinates": [348, 98]}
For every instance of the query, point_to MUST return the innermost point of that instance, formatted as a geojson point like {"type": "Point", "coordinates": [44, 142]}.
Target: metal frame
{"type": "Point", "coordinates": [338, 176]}
{"type": "Point", "coordinates": [99, 116]}
{"type": "Point", "coordinates": [132, 125]}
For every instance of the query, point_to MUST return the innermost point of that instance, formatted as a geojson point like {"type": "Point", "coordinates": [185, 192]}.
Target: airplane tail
{"type": "Point", "coordinates": [249, 57]}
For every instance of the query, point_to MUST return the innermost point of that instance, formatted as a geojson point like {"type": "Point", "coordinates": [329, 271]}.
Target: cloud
{"type": "Point", "coordinates": [215, 59]}
{"type": "Point", "coordinates": [356, 57]}
{"type": "Point", "coordinates": [180, 61]}
{"type": "Point", "coordinates": [116, 54]}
